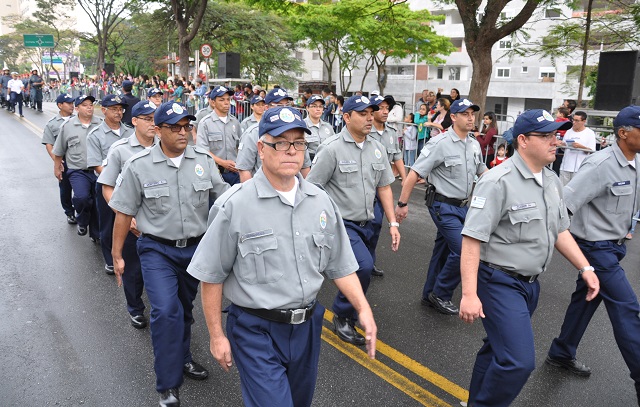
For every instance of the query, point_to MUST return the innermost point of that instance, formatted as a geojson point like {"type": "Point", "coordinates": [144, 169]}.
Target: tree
{"type": "Point", "coordinates": [188, 16]}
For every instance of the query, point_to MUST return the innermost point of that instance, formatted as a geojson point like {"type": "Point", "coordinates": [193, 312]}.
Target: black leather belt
{"type": "Point", "coordinates": [527, 279]}
{"type": "Point", "coordinates": [222, 169]}
{"type": "Point", "coordinates": [361, 223]}
{"type": "Point", "coordinates": [451, 201]}
{"type": "Point", "coordinates": [286, 316]}
{"type": "Point", "coordinates": [176, 243]}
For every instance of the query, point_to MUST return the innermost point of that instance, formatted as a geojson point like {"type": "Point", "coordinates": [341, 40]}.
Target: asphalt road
{"type": "Point", "coordinates": [65, 339]}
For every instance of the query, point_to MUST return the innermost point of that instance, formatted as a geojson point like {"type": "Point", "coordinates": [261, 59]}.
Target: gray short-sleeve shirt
{"type": "Point", "coordinates": [319, 133]}
{"type": "Point", "coordinates": [52, 129]}
{"type": "Point", "coordinates": [516, 219]}
{"type": "Point", "coordinates": [389, 139]}
{"type": "Point", "coordinates": [275, 258]}
{"type": "Point", "coordinates": [100, 139]}
{"type": "Point", "coordinates": [119, 153]}
{"type": "Point", "coordinates": [220, 138]}
{"type": "Point", "coordinates": [72, 142]}
{"type": "Point", "coordinates": [248, 122]}
{"type": "Point", "coordinates": [351, 175]}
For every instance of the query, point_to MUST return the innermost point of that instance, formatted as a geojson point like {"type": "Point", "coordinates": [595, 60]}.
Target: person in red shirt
{"type": "Point", "coordinates": [501, 156]}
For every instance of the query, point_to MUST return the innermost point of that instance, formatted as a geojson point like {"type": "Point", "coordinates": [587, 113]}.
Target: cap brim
{"type": "Point", "coordinates": [554, 126]}
{"type": "Point", "coordinates": [278, 131]}
{"type": "Point", "coordinates": [176, 119]}
{"type": "Point", "coordinates": [374, 107]}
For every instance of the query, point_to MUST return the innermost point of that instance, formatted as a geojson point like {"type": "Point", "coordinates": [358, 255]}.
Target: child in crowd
{"type": "Point", "coordinates": [562, 115]}
{"type": "Point", "coordinates": [501, 156]}
{"type": "Point", "coordinates": [410, 141]}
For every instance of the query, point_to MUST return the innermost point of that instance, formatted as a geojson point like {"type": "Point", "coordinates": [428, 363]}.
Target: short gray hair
{"type": "Point", "coordinates": [625, 128]}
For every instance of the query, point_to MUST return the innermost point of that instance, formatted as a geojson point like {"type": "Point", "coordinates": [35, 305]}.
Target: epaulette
{"type": "Point", "coordinates": [497, 172]}
{"type": "Point", "coordinates": [473, 136]}
{"type": "Point", "coordinates": [119, 143]}
{"type": "Point", "coordinates": [200, 150]}
{"type": "Point", "coordinates": [142, 153]}
{"type": "Point", "coordinates": [600, 157]}
{"type": "Point", "coordinates": [222, 200]}
{"type": "Point", "coordinates": [332, 139]}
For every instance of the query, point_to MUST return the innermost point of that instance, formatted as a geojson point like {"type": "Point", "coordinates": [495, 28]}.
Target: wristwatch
{"type": "Point", "coordinates": [394, 224]}
{"type": "Point", "coordinates": [586, 268]}
{"type": "Point", "coordinates": [401, 204]}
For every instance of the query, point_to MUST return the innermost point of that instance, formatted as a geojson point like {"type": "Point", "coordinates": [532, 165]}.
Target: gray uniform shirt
{"type": "Point", "coordinates": [100, 140]}
{"type": "Point", "coordinates": [167, 201]}
{"type": "Point", "coordinates": [202, 113]}
{"type": "Point", "coordinates": [72, 142]}
{"type": "Point", "coordinates": [451, 164]}
{"type": "Point", "coordinates": [119, 153]}
{"type": "Point", "coordinates": [220, 138]}
{"type": "Point", "coordinates": [319, 133]}
{"type": "Point", "coordinates": [248, 122]}
{"type": "Point", "coordinates": [389, 139]}
{"type": "Point", "coordinates": [517, 219]}
{"type": "Point", "coordinates": [274, 258]}
{"type": "Point", "coordinates": [351, 175]}
{"type": "Point", "coordinates": [248, 158]}
{"type": "Point", "coordinates": [52, 129]}
{"type": "Point", "coordinates": [603, 195]}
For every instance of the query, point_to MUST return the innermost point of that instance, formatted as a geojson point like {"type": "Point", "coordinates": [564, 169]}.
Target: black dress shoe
{"type": "Point", "coordinates": [377, 272]}
{"type": "Point", "coordinates": [195, 371]}
{"type": "Point", "coordinates": [82, 230]}
{"type": "Point", "coordinates": [71, 220]}
{"type": "Point", "coordinates": [442, 306]}
{"type": "Point", "coordinates": [345, 329]}
{"type": "Point", "coordinates": [138, 321]}
{"type": "Point", "coordinates": [425, 301]}
{"type": "Point", "coordinates": [170, 398]}
{"type": "Point", "coordinates": [109, 270]}
{"type": "Point", "coordinates": [572, 365]}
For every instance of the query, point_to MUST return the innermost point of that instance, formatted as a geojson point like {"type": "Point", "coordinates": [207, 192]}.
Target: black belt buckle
{"type": "Point", "coordinates": [298, 316]}
{"type": "Point", "coordinates": [181, 243]}
{"type": "Point", "coordinates": [464, 202]}
{"type": "Point", "coordinates": [532, 279]}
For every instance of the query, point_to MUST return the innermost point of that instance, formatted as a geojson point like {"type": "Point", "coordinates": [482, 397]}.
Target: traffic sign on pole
{"type": "Point", "coordinates": [38, 40]}
{"type": "Point", "coordinates": [206, 50]}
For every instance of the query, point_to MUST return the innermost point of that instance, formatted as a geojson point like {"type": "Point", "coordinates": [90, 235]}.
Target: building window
{"type": "Point", "coordinates": [440, 73]}
{"type": "Point", "coordinates": [299, 55]}
{"type": "Point", "coordinates": [505, 44]}
{"type": "Point", "coordinates": [552, 13]}
{"type": "Point", "coordinates": [503, 73]}
{"type": "Point", "coordinates": [525, 69]}
{"type": "Point", "coordinates": [315, 56]}
{"type": "Point", "coordinates": [547, 73]}
{"type": "Point", "coordinates": [454, 73]}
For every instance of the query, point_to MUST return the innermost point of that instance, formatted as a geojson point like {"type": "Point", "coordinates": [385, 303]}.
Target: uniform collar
{"type": "Point", "coordinates": [76, 120]}
{"type": "Point", "coordinates": [346, 136]}
{"type": "Point", "coordinates": [523, 168]}
{"type": "Point", "coordinates": [622, 160]}
{"type": "Point", "coordinates": [134, 142]}
{"type": "Point", "coordinates": [266, 190]}
{"type": "Point", "coordinates": [158, 156]}
{"type": "Point", "coordinates": [107, 129]}
{"type": "Point", "coordinates": [454, 136]}
{"type": "Point", "coordinates": [214, 116]}
{"type": "Point", "coordinates": [310, 123]}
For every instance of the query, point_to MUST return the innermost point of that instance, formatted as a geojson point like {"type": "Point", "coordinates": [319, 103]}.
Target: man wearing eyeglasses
{"type": "Point", "coordinates": [578, 136]}
{"type": "Point", "coordinates": [219, 133]}
{"type": "Point", "coordinates": [270, 266]}
{"type": "Point", "coordinates": [167, 189]}
{"type": "Point", "coordinates": [99, 142]}
{"type": "Point", "coordinates": [353, 167]}
{"type": "Point", "coordinates": [119, 153]}
{"type": "Point", "coordinates": [320, 130]}
{"type": "Point", "coordinates": [516, 218]}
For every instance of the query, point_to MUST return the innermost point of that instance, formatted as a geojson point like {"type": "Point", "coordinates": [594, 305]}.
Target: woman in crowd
{"type": "Point", "coordinates": [441, 121]}
{"type": "Point", "coordinates": [486, 135]}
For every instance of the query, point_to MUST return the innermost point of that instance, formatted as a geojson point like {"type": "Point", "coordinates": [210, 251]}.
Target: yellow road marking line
{"type": "Point", "coordinates": [415, 367]}
{"type": "Point", "coordinates": [383, 371]}
{"type": "Point", "coordinates": [30, 125]}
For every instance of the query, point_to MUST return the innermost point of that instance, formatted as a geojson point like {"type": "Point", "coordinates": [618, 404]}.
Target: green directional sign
{"type": "Point", "coordinates": [38, 40]}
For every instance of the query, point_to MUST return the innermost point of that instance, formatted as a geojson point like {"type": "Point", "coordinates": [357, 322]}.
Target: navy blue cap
{"type": "Point", "coordinates": [113, 100]}
{"type": "Point", "coordinates": [143, 107]}
{"type": "Point", "coordinates": [461, 105]}
{"type": "Point", "coordinates": [537, 120]}
{"type": "Point", "coordinates": [629, 116]}
{"type": "Point", "coordinates": [82, 98]}
{"type": "Point", "coordinates": [153, 91]}
{"type": "Point", "coordinates": [276, 95]}
{"type": "Point", "coordinates": [280, 119]}
{"type": "Point", "coordinates": [171, 113]}
{"type": "Point", "coordinates": [64, 98]}
{"type": "Point", "coordinates": [315, 98]}
{"type": "Point", "coordinates": [376, 99]}
{"type": "Point", "coordinates": [358, 103]}
{"type": "Point", "coordinates": [127, 85]}
{"type": "Point", "coordinates": [219, 91]}
{"type": "Point", "coordinates": [256, 99]}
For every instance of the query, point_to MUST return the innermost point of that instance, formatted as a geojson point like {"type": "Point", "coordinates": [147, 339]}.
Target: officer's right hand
{"type": "Point", "coordinates": [230, 165]}
{"type": "Point", "coordinates": [470, 308]}
{"type": "Point", "coordinates": [221, 351]}
{"type": "Point", "coordinates": [57, 172]}
{"type": "Point", "coordinates": [401, 213]}
{"type": "Point", "coordinates": [118, 269]}
{"type": "Point", "coordinates": [134, 228]}
{"type": "Point", "coordinates": [365, 317]}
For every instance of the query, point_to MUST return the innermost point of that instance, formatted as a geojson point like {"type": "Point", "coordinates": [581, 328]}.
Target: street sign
{"type": "Point", "coordinates": [38, 40]}
{"type": "Point", "coordinates": [206, 50]}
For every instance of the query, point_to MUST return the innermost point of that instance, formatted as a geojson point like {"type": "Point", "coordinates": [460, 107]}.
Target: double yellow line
{"type": "Point", "coordinates": [394, 378]}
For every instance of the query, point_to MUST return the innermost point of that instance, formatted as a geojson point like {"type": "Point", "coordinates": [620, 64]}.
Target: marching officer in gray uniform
{"type": "Point", "coordinates": [167, 189]}
{"type": "Point", "coordinates": [99, 142]}
{"type": "Point", "coordinates": [154, 95]}
{"type": "Point", "coordinates": [4, 87]}
{"type": "Point", "coordinates": [219, 133]}
{"type": "Point", "coordinates": [49, 135]}
{"type": "Point", "coordinates": [35, 87]}
{"type": "Point", "coordinates": [353, 167]}
{"type": "Point", "coordinates": [320, 130]}
{"type": "Point", "coordinates": [201, 114]}
{"type": "Point", "coordinates": [248, 158]}
{"type": "Point", "coordinates": [603, 196]}
{"type": "Point", "coordinates": [270, 266]}
{"type": "Point", "coordinates": [119, 153]}
{"type": "Point", "coordinates": [516, 218]}
{"type": "Point", "coordinates": [451, 161]}
{"type": "Point", "coordinates": [71, 146]}
{"type": "Point", "coordinates": [258, 106]}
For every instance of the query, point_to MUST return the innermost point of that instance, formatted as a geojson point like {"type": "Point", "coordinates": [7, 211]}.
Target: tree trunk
{"type": "Point", "coordinates": [184, 50]}
{"type": "Point", "coordinates": [482, 65]}
{"type": "Point", "coordinates": [585, 49]}
{"type": "Point", "coordinates": [100, 61]}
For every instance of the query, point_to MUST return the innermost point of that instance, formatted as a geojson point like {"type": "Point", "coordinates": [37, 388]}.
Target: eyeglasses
{"type": "Point", "coordinates": [146, 119]}
{"type": "Point", "coordinates": [545, 136]}
{"type": "Point", "coordinates": [315, 107]}
{"type": "Point", "coordinates": [286, 145]}
{"type": "Point", "coordinates": [116, 109]}
{"type": "Point", "coordinates": [176, 127]}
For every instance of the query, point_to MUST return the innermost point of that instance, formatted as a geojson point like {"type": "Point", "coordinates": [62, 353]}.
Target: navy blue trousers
{"type": "Point", "coordinates": [277, 362]}
{"type": "Point", "coordinates": [444, 276]}
{"type": "Point", "coordinates": [378, 216]}
{"type": "Point", "coordinates": [16, 98]}
{"type": "Point", "coordinates": [66, 192]}
{"type": "Point", "coordinates": [360, 238]}
{"type": "Point", "coordinates": [619, 299]}
{"type": "Point", "coordinates": [231, 178]}
{"type": "Point", "coordinates": [132, 281]}
{"type": "Point", "coordinates": [106, 217]}
{"type": "Point", "coordinates": [507, 357]}
{"type": "Point", "coordinates": [83, 185]}
{"type": "Point", "coordinates": [171, 291]}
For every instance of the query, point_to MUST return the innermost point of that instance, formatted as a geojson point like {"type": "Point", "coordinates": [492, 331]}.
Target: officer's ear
{"type": "Point", "coordinates": [158, 133]}
{"type": "Point", "coordinates": [346, 117]}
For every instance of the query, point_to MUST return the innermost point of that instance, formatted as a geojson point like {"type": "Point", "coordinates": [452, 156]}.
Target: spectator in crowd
{"type": "Point", "coordinates": [486, 135]}
{"type": "Point", "coordinates": [562, 115]}
{"type": "Point", "coordinates": [422, 100]}
{"type": "Point", "coordinates": [410, 141]}
{"type": "Point", "coordinates": [578, 136]}
{"type": "Point", "coordinates": [501, 156]}
{"type": "Point", "coordinates": [420, 118]}
{"type": "Point", "coordinates": [441, 121]}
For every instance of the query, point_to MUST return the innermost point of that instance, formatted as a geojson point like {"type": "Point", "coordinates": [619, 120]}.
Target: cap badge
{"type": "Point", "coordinates": [547, 116]}
{"type": "Point", "coordinates": [151, 105]}
{"type": "Point", "coordinates": [364, 99]}
{"type": "Point", "coordinates": [287, 116]}
{"type": "Point", "coordinates": [177, 108]}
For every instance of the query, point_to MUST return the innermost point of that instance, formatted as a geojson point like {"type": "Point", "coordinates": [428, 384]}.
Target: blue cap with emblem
{"type": "Point", "coordinates": [256, 99]}
{"type": "Point", "coordinates": [82, 98]}
{"type": "Point", "coordinates": [113, 100]}
{"type": "Point", "coordinates": [280, 119]}
{"type": "Point", "coordinates": [461, 105]}
{"type": "Point", "coordinates": [171, 113]}
{"type": "Point", "coordinates": [315, 98]}
{"type": "Point", "coordinates": [537, 120]}
{"type": "Point", "coordinates": [153, 91]}
{"type": "Point", "coordinates": [358, 103]}
{"type": "Point", "coordinates": [629, 116]}
{"type": "Point", "coordinates": [376, 99]}
{"type": "Point", "coordinates": [143, 107]}
{"type": "Point", "coordinates": [276, 95]}
{"type": "Point", "coordinates": [219, 91]}
{"type": "Point", "coordinates": [64, 98]}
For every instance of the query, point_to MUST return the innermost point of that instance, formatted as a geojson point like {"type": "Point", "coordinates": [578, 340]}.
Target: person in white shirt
{"type": "Point", "coordinates": [15, 86]}
{"type": "Point", "coordinates": [579, 136]}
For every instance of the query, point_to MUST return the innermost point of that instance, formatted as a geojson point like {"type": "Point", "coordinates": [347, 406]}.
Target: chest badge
{"type": "Point", "coordinates": [378, 154]}
{"type": "Point", "coordinates": [323, 220]}
{"type": "Point", "coordinates": [199, 170]}
{"type": "Point", "coordinates": [391, 140]}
